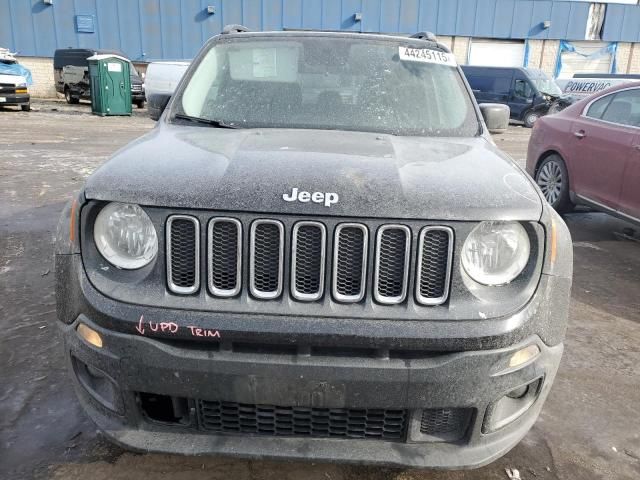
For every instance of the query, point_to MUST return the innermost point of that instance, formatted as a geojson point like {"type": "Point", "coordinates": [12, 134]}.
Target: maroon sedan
{"type": "Point", "coordinates": [589, 153]}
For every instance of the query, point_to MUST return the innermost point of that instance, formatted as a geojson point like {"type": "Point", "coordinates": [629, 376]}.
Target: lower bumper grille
{"type": "Point", "coordinates": [271, 420]}
{"type": "Point", "coordinates": [446, 424]}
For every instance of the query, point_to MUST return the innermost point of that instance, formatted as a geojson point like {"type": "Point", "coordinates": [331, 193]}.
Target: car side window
{"type": "Point", "coordinates": [598, 107]}
{"type": "Point", "coordinates": [502, 85]}
{"type": "Point", "coordinates": [624, 108]}
{"type": "Point", "coordinates": [522, 89]}
{"type": "Point", "coordinates": [497, 85]}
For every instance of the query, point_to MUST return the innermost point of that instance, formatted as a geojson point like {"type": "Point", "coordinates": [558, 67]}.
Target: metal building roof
{"type": "Point", "coordinates": [163, 29]}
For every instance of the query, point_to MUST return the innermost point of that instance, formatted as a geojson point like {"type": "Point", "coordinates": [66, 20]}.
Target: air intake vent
{"type": "Point", "coordinates": [271, 420]}
{"type": "Point", "coordinates": [266, 263]}
{"type": "Point", "coordinates": [183, 254]}
{"type": "Point", "coordinates": [392, 264]}
{"type": "Point", "coordinates": [225, 256]}
{"type": "Point", "coordinates": [308, 260]}
{"type": "Point", "coordinates": [435, 250]}
{"type": "Point", "coordinates": [445, 424]}
{"type": "Point", "coordinates": [350, 262]}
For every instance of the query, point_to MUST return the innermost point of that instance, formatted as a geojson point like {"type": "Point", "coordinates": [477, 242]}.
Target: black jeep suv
{"type": "Point", "coordinates": [317, 253]}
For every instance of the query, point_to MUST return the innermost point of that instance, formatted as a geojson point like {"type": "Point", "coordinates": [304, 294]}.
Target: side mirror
{"type": "Point", "coordinates": [496, 116]}
{"type": "Point", "coordinates": [156, 105]}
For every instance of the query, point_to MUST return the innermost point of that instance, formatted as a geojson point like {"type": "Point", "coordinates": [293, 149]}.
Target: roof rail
{"type": "Point", "coordinates": [425, 36]}
{"type": "Point", "coordinates": [430, 37]}
{"type": "Point", "coordinates": [234, 28]}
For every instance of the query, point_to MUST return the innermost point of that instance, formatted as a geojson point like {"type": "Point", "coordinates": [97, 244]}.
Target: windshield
{"type": "Point", "coordinates": [328, 83]}
{"type": "Point", "coordinates": [132, 70]}
{"type": "Point", "coordinates": [548, 86]}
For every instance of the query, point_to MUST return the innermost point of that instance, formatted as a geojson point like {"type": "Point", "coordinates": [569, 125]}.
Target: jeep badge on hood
{"type": "Point", "coordinates": [316, 197]}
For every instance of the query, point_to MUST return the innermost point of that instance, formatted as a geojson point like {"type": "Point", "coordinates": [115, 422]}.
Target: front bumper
{"type": "Point", "coordinates": [14, 99]}
{"type": "Point", "coordinates": [459, 380]}
{"type": "Point", "coordinates": [141, 361]}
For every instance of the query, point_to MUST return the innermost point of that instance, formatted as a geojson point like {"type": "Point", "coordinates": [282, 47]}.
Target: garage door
{"type": "Point", "coordinates": [589, 57]}
{"type": "Point", "coordinates": [495, 53]}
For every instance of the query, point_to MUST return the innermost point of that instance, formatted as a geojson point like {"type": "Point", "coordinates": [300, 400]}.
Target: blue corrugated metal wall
{"type": "Point", "coordinates": [154, 29]}
{"type": "Point", "coordinates": [622, 22]}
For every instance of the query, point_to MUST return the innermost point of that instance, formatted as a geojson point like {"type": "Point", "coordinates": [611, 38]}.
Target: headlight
{"type": "Point", "coordinates": [495, 253]}
{"type": "Point", "coordinates": [125, 236]}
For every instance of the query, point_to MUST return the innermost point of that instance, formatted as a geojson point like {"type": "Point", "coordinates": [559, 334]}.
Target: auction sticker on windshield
{"type": "Point", "coordinates": [426, 55]}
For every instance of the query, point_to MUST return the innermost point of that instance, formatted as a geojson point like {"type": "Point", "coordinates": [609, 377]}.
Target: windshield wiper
{"type": "Point", "coordinates": [205, 121]}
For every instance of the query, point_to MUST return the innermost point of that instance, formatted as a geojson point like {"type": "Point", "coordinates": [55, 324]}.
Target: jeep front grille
{"type": "Point", "coordinates": [435, 248]}
{"type": "Point", "coordinates": [308, 247]}
{"type": "Point", "coordinates": [266, 260]}
{"type": "Point", "coordinates": [307, 258]}
{"type": "Point", "coordinates": [183, 254]}
{"type": "Point", "coordinates": [392, 264]}
{"type": "Point", "coordinates": [350, 262]}
{"type": "Point", "coordinates": [224, 242]}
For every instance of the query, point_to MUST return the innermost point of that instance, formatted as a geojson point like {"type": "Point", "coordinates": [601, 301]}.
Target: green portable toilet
{"type": "Point", "coordinates": [110, 85]}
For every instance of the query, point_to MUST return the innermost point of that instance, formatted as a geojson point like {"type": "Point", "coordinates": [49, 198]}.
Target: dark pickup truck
{"type": "Point", "coordinates": [71, 75]}
{"type": "Point", "coordinates": [318, 253]}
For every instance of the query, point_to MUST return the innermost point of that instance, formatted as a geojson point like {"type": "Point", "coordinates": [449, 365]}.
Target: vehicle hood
{"type": "Point", "coordinates": [374, 175]}
{"type": "Point", "coordinates": [135, 79]}
{"type": "Point", "coordinates": [13, 79]}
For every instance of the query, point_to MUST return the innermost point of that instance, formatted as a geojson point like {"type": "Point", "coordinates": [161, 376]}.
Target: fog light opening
{"type": "Point", "coordinates": [518, 392]}
{"type": "Point", "coordinates": [524, 356]}
{"type": "Point", "coordinates": [89, 335]}
{"type": "Point", "coordinates": [511, 406]}
{"type": "Point", "coordinates": [98, 384]}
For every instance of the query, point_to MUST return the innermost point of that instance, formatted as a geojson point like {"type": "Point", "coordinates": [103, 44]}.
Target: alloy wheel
{"type": "Point", "coordinates": [550, 181]}
{"type": "Point", "coordinates": [531, 119]}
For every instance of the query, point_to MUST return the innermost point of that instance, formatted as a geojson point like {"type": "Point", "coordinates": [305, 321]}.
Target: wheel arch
{"type": "Point", "coordinates": [564, 201]}
{"type": "Point", "coordinates": [546, 154]}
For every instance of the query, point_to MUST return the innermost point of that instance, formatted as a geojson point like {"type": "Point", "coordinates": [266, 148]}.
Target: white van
{"type": "Point", "coordinates": [13, 82]}
{"type": "Point", "coordinates": [162, 78]}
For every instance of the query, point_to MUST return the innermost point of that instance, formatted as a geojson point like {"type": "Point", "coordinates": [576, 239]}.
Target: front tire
{"type": "Point", "coordinates": [71, 100]}
{"type": "Point", "coordinates": [552, 177]}
{"type": "Point", "coordinates": [140, 104]}
{"type": "Point", "coordinates": [530, 118]}
{"type": "Point", "coordinates": [26, 108]}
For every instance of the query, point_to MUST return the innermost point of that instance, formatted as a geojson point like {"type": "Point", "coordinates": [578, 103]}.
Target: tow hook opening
{"type": "Point", "coordinates": [165, 409]}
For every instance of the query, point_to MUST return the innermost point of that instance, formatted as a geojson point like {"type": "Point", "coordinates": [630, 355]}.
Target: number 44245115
{"type": "Point", "coordinates": [426, 55]}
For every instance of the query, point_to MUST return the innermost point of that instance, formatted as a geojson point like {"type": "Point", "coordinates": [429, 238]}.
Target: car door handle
{"type": "Point", "coordinates": [637, 147]}
{"type": "Point", "coordinates": [579, 134]}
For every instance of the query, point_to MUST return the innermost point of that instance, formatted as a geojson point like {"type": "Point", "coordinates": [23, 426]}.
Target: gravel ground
{"type": "Point", "coordinates": [589, 429]}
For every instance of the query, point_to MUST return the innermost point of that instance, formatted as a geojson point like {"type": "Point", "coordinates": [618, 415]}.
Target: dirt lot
{"type": "Point", "coordinates": [589, 429]}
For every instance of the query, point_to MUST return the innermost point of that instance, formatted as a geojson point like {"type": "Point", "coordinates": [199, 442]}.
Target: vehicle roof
{"type": "Point", "coordinates": [103, 56]}
{"type": "Point", "coordinates": [608, 76]}
{"type": "Point", "coordinates": [621, 86]}
{"type": "Point", "coordinates": [483, 67]}
{"type": "Point", "coordinates": [579, 105]}
{"type": "Point", "coordinates": [79, 55]}
{"type": "Point", "coordinates": [331, 34]}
